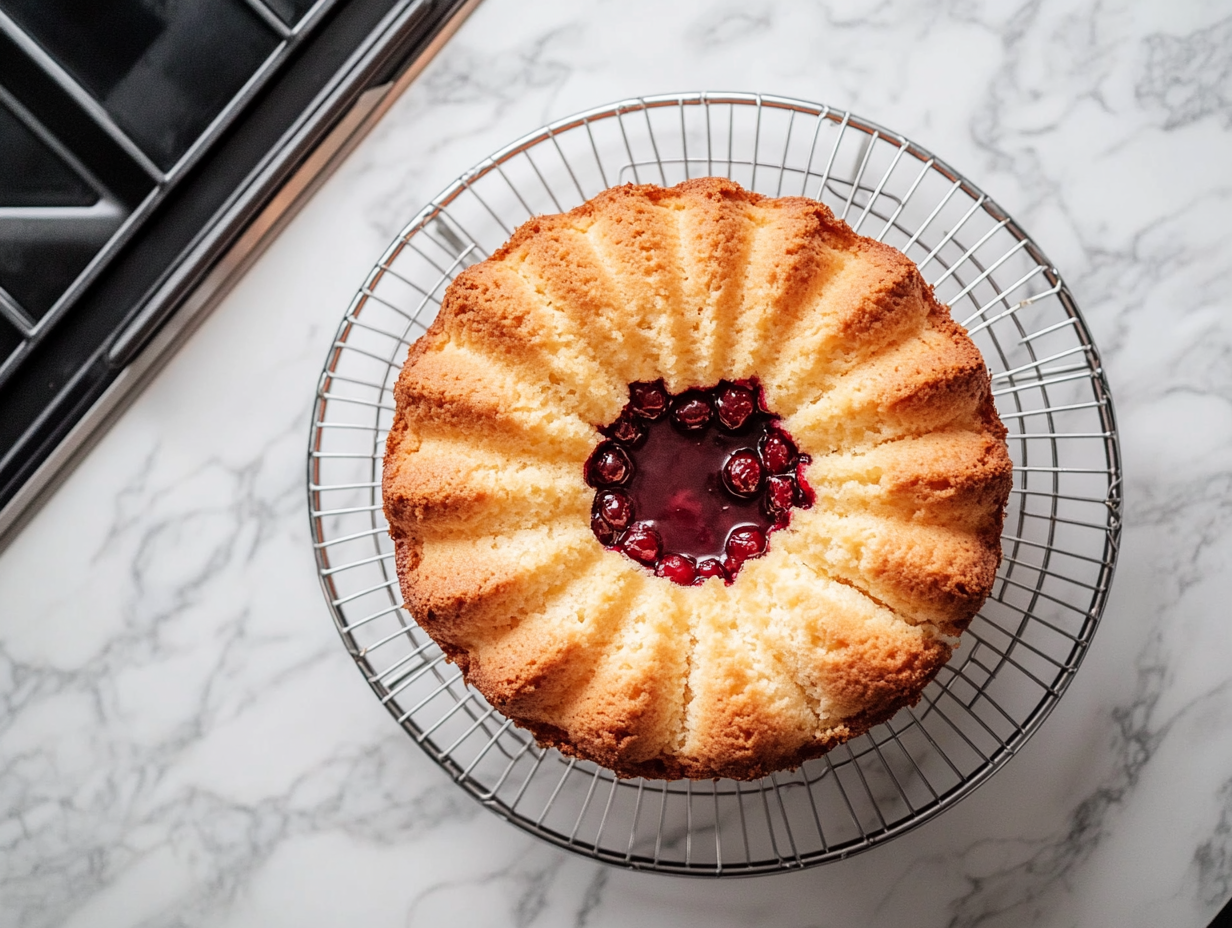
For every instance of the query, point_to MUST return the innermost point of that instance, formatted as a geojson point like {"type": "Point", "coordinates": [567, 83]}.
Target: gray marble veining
{"type": "Point", "coordinates": [183, 740]}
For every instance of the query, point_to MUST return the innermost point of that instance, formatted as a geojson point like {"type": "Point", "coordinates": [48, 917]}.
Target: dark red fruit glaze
{"type": "Point", "coordinates": [704, 477]}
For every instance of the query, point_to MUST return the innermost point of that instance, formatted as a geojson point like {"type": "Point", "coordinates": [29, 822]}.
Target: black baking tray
{"type": "Point", "coordinates": [357, 45]}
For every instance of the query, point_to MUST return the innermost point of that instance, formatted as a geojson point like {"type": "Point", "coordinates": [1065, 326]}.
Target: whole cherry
{"type": "Point", "coordinates": [734, 405]}
{"type": "Point", "coordinates": [648, 400]}
{"type": "Point", "coordinates": [604, 532]}
{"type": "Point", "coordinates": [642, 543]}
{"type": "Point", "coordinates": [677, 568]}
{"type": "Point", "coordinates": [780, 493]}
{"type": "Point", "coordinates": [742, 473]}
{"type": "Point", "coordinates": [627, 430]}
{"type": "Point", "coordinates": [609, 466]}
{"type": "Point", "coordinates": [692, 412]}
{"type": "Point", "coordinates": [777, 452]}
{"type": "Point", "coordinates": [616, 508]}
{"type": "Point", "coordinates": [745, 542]}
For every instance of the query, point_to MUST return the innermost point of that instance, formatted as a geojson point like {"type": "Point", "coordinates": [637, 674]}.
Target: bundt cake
{"type": "Point", "coordinates": [692, 482]}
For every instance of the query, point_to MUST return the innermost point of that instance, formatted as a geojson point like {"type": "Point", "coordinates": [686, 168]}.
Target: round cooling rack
{"type": "Point", "coordinates": [1061, 528]}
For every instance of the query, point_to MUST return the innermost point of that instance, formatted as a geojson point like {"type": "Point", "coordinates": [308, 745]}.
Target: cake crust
{"type": "Point", "coordinates": [858, 602]}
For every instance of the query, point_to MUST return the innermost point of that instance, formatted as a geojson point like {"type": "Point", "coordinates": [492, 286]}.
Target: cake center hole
{"type": "Point", "coordinates": [692, 485]}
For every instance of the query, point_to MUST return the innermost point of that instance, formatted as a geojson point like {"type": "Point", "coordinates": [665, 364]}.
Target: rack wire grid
{"type": "Point", "coordinates": [1061, 530]}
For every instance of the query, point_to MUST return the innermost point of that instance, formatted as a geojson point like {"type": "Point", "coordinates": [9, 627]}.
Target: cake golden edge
{"type": "Point", "coordinates": [909, 677]}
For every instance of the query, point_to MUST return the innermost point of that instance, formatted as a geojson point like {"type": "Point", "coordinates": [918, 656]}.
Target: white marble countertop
{"type": "Point", "coordinates": [184, 741]}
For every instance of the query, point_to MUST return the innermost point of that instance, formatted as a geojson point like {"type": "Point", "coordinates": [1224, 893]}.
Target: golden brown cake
{"type": "Point", "coordinates": [542, 417]}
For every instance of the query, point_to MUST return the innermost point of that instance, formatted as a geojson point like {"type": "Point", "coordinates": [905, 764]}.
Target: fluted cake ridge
{"type": "Point", "coordinates": [854, 605]}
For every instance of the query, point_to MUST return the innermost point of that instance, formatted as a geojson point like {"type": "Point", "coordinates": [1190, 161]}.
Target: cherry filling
{"type": "Point", "coordinates": [692, 485]}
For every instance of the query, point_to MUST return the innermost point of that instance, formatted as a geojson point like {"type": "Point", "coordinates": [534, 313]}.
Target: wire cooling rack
{"type": "Point", "coordinates": [1061, 529]}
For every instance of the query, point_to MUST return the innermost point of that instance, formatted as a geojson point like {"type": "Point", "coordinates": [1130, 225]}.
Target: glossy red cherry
{"type": "Point", "coordinates": [609, 466]}
{"type": "Point", "coordinates": [745, 542]}
{"type": "Point", "coordinates": [804, 493]}
{"type": "Point", "coordinates": [677, 568]}
{"type": "Point", "coordinates": [627, 430]}
{"type": "Point", "coordinates": [692, 412]}
{"type": "Point", "coordinates": [711, 567]}
{"type": "Point", "coordinates": [615, 508]}
{"type": "Point", "coordinates": [780, 493]}
{"type": "Point", "coordinates": [604, 532]}
{"type": "Point", "coordinates": [648, 400]}
{"type": "Point", "coordinates": [642, 543]}
{"type": "Point", "coordinates": [777, 452]}
{"type": "Point", "coordinates": [734, 405]}
{"type": "Point", "coordinates": [742, 473]}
